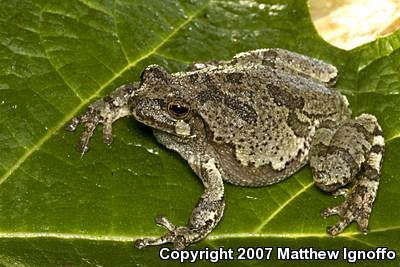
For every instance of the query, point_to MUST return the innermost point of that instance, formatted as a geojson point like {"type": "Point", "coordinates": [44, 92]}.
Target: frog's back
{"type": "Point", "coordinates": [264, 118]}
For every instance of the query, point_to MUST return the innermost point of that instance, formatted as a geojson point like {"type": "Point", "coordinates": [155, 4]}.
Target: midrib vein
{"type": "Point", "coordinates": [68, 116]}
{"type": "Point", "coordinates": [130, 238]}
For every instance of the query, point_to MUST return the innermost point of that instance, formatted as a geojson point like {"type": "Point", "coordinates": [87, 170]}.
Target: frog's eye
{"type": "Point", "coordinates": [178, 109]}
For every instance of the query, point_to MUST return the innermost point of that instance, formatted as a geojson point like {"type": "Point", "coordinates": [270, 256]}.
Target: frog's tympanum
{"type": "Point", "coordinates": [251, 121]}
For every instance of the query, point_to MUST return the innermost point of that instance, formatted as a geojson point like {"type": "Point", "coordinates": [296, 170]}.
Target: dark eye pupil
{"type": "Point", "coordinates": [178, 109]}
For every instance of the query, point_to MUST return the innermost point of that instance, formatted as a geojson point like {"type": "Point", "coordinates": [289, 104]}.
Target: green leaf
{"type": "Point", "coordinates": [60, 209]}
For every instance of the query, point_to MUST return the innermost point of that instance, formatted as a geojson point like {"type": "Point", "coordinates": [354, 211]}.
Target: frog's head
{"type": "Point", "coordinates": [161, 104]}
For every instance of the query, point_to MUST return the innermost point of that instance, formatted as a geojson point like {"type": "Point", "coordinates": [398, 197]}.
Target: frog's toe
{"type": "Point", "coordinates": [83, 145]}
{"type": "Point", "coordinates": [72, 124]}
{"type": "Point", "coordinates": [94, 115]}
{"type": "Point", "coordinates": [363, 224]}
{"type": "Point", "coordinates": [107, 132]}
{"type": "Point", "coordinates": [350, 210]}
{"type": "Point", "coordinates": [181, 237]}
{"type": "Point", "coordinates": [346, 217]}
{"type": "Point", "coordinates": [145, 242]}
{"type": "Point", "coordinates": [339, 227]}
{"type": "Point", "coordinates": [331, 211]}
{"type": "Point", "coordinates": [345, 212]}
{"type": "Point", "coordinates": [140, 243]}
{"type": "Point", "coordinates": [165, 222]}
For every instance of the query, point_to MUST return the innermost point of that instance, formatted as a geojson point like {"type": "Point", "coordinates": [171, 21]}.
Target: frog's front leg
{"type": "Point", "coordinates": [105, 111]}
{"type": "Point", "coordinates": [205, 216]}
{"type": "Point", "coordinates": [352, 154]}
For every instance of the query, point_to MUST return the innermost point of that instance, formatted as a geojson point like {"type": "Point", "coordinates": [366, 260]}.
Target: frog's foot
{"type": "Point", "coordinates": [104, 111]}
{"type": "Point", "coordinates": [181, 237]}
{"type": "Point", "coordinates": [357, 207]}
{"type": "Point", "coordinates": [90, 119]}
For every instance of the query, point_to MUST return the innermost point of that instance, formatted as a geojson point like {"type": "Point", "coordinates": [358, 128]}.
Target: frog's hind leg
{"type": "Point", "coordinates": [291, 63]}
{"type": "Point", "coordinates": [352, 154]}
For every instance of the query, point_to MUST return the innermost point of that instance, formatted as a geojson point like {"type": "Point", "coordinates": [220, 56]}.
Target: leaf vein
{"type": "Point", "coordinates": [51, 63]}
{"type": "Point", "coordinates": [117, 34]}
{"type": "Point", "coordinates": [122, 238]}
{"type": "Point", "coordinates": [281, 207]}
{"type": "Point", "coordinates": [84, 102]}
{"type": "Point", "coordinates": [172, 58]}
{"type": "Point", "coordinates": [95, 8]}
{"type": "Point", "coordinates": [362, 242]}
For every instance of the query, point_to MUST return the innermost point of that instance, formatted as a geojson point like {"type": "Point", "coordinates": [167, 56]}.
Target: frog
{"type": "Point", "coordinates": [253, 120]}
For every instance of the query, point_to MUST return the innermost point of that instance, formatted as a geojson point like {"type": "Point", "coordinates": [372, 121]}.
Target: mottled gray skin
{"type": "Point", "coordinates": [251, 121]}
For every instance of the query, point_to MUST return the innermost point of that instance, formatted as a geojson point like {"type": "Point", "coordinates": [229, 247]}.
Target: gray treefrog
{"type": "Point", "coordinates": [251, 121]}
